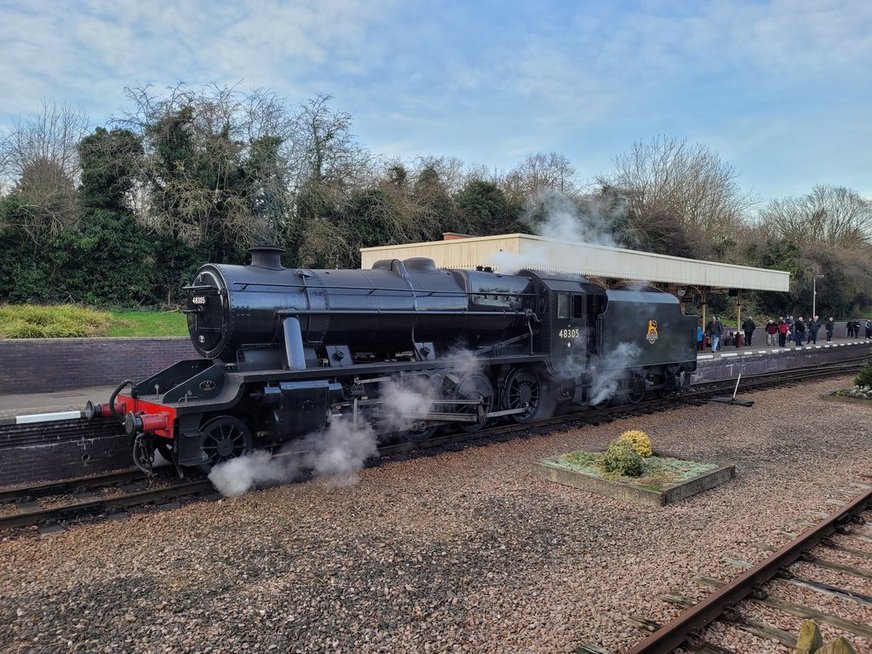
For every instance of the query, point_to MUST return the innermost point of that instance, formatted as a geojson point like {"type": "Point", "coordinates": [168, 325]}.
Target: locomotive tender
{"type": "Point", "coordinates": [285, 351]}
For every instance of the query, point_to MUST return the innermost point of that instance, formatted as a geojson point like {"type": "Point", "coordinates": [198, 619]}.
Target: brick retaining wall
{"type": "Point", "coordinates": [34, 365]}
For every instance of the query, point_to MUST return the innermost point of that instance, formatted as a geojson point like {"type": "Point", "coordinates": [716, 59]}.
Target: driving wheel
{"type": "Point", "coordinates": [523, 391]}
{"type": "Point", "coordinates": [223, 438]}
{"type": "Point", "coordinates": [475, 387]}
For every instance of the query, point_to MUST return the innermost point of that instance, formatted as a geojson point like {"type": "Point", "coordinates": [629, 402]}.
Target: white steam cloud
{"type": "Point", "coordinates": [607, 371]}
{"type": "Point", "coordinates": [463, 362]}
{"type": "Point", "coordinates": [557, 217]}
{"type": "Point", "coordinates": [336, 454]}
{"type": "Point", "coordinates": [404, 402]}
{"type": "Point", "coordinates": [565, 220]}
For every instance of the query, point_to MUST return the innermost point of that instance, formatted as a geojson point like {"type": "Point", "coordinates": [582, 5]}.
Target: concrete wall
{"type": "Point", "coordinates": [34, 365]}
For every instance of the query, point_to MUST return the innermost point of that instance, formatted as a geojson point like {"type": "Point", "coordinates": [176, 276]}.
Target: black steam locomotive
{"type": "Point", "coordinates": [287, 351]}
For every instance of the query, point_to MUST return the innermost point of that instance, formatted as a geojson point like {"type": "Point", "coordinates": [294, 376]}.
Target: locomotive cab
{"type": "Point", "coordinates": [569, 308]}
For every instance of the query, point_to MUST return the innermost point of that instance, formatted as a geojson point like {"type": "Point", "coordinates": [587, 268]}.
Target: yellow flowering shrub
{"type": "Point", "coordinates": [639, 440]}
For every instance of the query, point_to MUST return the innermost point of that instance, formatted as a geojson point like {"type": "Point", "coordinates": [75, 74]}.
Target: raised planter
{"type": "Point", "coordinates": [705, 477]}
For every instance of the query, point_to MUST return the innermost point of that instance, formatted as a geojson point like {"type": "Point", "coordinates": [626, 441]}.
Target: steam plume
{"type": "Point", "coordinates": [557, 217]}
{"type": "Point", "coordinates": [335, 454]}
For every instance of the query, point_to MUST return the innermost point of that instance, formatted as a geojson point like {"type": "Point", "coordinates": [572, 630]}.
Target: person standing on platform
{"type": "Point", "coordinates": [813, 329]}
{"type": "Point", "coordinates": [868, 328]}
{"type": "Point", "coordinates": [783, 328]}
{"type": "Point", "coordinates": [715, 331]}
{"type": "Point", "coordinates": [699, 336]}
{"type": "Point", "coordinates": [830, 327]}
{"type": "Point", "coordinates": [771, 332]}
{"type": "Point", "coordinates": [748, 327]}
{"type": "Point", "coordinates": [798, 331]}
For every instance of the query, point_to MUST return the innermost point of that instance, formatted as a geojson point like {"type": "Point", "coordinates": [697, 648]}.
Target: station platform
{"type": "Point", "coordinates": [762, 349]}
{"type": "Point", "coordinates": [20, 408]}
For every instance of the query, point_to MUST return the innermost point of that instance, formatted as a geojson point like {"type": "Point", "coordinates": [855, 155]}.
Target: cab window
{"type": "Point", "coordinates": [563, 305]}
{"type": "Point", "coordinates": [577, 305]}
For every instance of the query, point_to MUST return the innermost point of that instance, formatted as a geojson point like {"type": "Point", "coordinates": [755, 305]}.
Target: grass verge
{"type": "Point", "coordinates": [70, 321]}
{"type": "Point", "coordinates": [148, 323]}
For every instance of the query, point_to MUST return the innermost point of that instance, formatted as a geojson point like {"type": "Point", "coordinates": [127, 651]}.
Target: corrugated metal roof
{"type": "Point", "coordinates": [511, 252]}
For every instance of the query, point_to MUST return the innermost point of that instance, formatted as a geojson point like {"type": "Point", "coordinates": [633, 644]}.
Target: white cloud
{"type": "Point", "coordinates": [463, 79]}
{"type": "Point", "coordinates": [59, 49]}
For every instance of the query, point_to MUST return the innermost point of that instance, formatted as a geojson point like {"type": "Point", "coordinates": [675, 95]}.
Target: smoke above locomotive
{"type": "Point", "coordinates": [288, 352]}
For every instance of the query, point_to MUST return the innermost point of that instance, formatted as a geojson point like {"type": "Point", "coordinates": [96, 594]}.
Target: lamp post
{"type": "Point", "coordinates": [814, 295]}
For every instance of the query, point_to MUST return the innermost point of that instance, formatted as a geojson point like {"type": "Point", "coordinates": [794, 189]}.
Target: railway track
{"type": "Point", "coordinates": [67, 509]}
{"type": "Point", "coordinates": [69, 486]}
{"type": "Point", "coordinates": [687, 630]}
{"type": "Point", "coordinates": [71, 499]}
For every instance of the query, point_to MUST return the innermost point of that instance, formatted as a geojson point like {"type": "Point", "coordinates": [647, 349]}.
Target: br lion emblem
{"type": "Point", "coordinates": [652, 332]}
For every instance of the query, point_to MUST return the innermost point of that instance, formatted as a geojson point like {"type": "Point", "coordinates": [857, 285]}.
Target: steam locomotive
{"type": "Point", "coordinates": [287, 351]}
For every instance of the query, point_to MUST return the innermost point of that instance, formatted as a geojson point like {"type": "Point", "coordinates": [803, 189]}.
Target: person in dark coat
{"type": "Point", "coordinates": [813, 328]}
{"type": "Point", "coordinates": [830, 326]}
{"type": "Point", "coordinates": [748, 327]}
{"type": "Point", "coordinates": [798, 331]}
{"type": "Point", "coordinates": [715, 332]}
{"type": "Point", "coordinates": [868, 328]}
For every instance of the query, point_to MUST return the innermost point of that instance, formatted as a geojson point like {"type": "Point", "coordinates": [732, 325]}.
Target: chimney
{"type": "Point", "coordinates": [267, 256]}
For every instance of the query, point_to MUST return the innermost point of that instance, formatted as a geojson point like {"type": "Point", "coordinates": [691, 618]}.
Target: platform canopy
{"type": "Point", "coordinates": [509, 253]}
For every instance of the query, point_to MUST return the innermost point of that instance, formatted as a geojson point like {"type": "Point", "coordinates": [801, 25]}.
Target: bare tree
{"type": "Point", "coordinates": [676, 191]}
{"type": "Point", "coordinates": [829, 215]}
{"type": "Point", "coordinates": [538, 173]}
{"type": "Point", "coordinates": [39, 161]}
{"type": "Point", "coordinates": [452, 173]}
{"type": "Point", "coordinates": [324, 149]}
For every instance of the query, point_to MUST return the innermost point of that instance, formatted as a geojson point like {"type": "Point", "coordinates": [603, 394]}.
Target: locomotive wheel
{"type": "Point", "coordinates": [523, 390]}
{"type": "Point", "coordinates": [224, 437]}
{"type": "Point", "coordinates": [472, 388]}
{"type": "Point", "coordinates": [419, 434]}
{"type": "Point", "coordinates": [635, 388]}
{"type": "Point", "coordinates": [165, 449]}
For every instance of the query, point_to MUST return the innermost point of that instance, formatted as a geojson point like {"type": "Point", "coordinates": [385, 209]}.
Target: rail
{"type": "Point", "coordinates": [673, 634]}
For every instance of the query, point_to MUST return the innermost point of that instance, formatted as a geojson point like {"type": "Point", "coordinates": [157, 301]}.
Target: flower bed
{"type": "Point", "coordinates": [663, 479]}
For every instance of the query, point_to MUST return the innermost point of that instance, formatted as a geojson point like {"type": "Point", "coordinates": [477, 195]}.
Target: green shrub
{"type": "Point", "coordinates": [865, 376]}
{"type": "Point", "coordinates": [59, 321]}
{"type": "Point", "coordinates": [622, 459]}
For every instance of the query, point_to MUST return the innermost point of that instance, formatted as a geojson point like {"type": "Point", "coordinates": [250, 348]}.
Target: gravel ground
{"type": "Point", "coordinates": [460, 552]}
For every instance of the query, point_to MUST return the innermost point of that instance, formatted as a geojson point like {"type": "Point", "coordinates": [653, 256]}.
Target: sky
{"type": "Point", "coordinates": [781, 90]}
